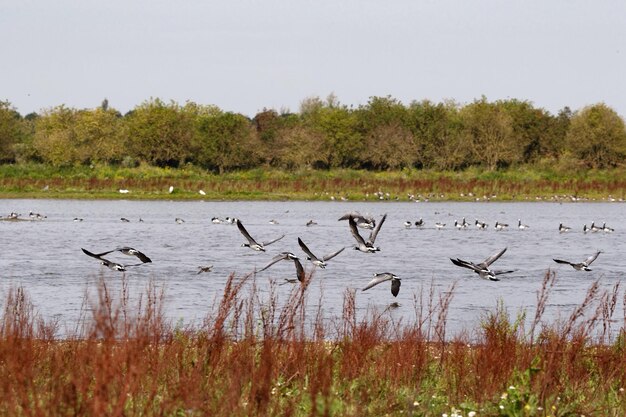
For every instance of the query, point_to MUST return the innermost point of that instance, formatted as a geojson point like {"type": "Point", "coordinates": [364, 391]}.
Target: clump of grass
{"type": "Point", "coordinates": [260, 353]}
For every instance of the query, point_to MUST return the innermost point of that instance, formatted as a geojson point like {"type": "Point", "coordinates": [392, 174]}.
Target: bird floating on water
{"type": "Point", "coordinates": [563, 229]}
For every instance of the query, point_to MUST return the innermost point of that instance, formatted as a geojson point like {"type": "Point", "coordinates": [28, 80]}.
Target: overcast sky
{"type": "Point", "coordinates": [244, 55]}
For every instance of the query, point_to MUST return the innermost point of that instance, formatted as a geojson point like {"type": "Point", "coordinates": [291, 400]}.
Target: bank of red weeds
{"type": "Point", "coordinates": [258, 355]}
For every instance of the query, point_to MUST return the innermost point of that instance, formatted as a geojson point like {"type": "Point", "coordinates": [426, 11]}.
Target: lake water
{"type": "Point", "coordinates": [45, 256]}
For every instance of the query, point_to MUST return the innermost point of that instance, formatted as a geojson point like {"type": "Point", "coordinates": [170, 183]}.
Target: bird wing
{"type": "Point", "coordinates": [272, 241]}
{"type": "Point", "coordinates": [355, 231]}
{"type": "Point", "coordinates": [299, 270]}
{"type": "Point", "coordinates": [493, 257]}
{"type": "Point", "coordinates": [375, 231]}
{"type": "Point", "coordinates": [378, 278]}
{"type": "Point", "coordinates": [560, 261]}
{"type": "Point", "coordinates": [464, 264]}
{"type": "Point", "coordinates": [332, 255]}
{"type": "Point", "coordinates": [395, 287]}
{"type": "Point", "coordinates": [134, 252]}
{"type": "Point", "coordinates": [499, 272]}
{"type": "Point", "coordinates": [346, 216]}
{"type": "Point", "coordinates": [245, 234]}
{"type": "Point", "coordinates": [96, 255]}
{"type": "Point", "coordinates": [306, 250]}
{"type": "Point", "coordinates": [592, 258]}
{"type": "Point", "coordinates": [277, 258]}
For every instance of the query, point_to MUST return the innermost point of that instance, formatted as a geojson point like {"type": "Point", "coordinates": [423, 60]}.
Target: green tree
{"type": "Point", "coordinates": [597, 137]}
{"type": "Point", "coordinates": [11, 131]}
{"type": "Point", "coordinates": [436, 128]}
{"type": "Point", "coordinates": [100, 135]}
{"type": "Point", "coordinates": [158, 133]}
{"type": "Point", "coordinates": [55, 140]}
{"type": "Point", "coordinates": [224, 141]}
{"type": "Point", "coordinates": [488, 133]}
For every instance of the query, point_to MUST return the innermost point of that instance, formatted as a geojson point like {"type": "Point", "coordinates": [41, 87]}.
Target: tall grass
{"type": "Point", "coordinates": [258, 354]}
{"type": "Point", "coordinates": [152, 183]}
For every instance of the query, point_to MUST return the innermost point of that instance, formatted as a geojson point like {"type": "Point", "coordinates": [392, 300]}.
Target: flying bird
{"type": "Point", "coordinates": [253, 244]}
{"type": "Point", "coordinates": [110, 264]}
{"type": "Point", "coordinates": [202, 269]}
{"type": "Point", "coordinates": [363, 221]}
{"type": "Point", "coordinates": [362, 245]}
{"type": "Point", "coordinates": [482, 269]}
{"type": "Point", "coordinates": [125, 250]}
{"type": "Point", "coordinates": [382, 277]}
{"type": "Point", "coordinates": [283, 256]}
{"type": "Point", "coordinates": [581, 266]}
{"type": "Point", "coordinates": [321, 262]}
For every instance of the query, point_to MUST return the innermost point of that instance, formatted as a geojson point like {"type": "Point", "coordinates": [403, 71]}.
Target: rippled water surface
{"type": "Point", "coordinates": [45, 256]}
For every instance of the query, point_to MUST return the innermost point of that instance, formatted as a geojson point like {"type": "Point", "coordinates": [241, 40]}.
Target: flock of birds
{"type": "Point", "coordinates": [367, 245]}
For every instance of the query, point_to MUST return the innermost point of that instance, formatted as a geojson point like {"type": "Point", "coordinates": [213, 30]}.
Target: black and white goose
{"type": "Point", "coordinates": [109, 264]}
{"type": "Point", "coordinates": [407, 224]}
{"type": "Point", "coordinates": [501, 226]}
{"type": "Point", "coordinates": [607, 229]}
{"type": "Point", "coordinates": [419, 223]}
{"type": "Point", "coordinates": [284, 256]}
{"type": "Point", "coordinates": [253, 244]}
{"type": "Point", "coordinates": [594, 228]}
{"type": "Point", "coordinates": [125, 250]}
{"type": "Point", "coordinates": [482, 269]}
{"type": "Point", "coordinates": [382, 277]}
{"type": "Point", "coordinates": [362, 245]}
{"type": "Point", "coordinates": [480, 225]}
{"type": "Point", "coordinates": [581, 266]}
{"type": "Point", "coordinates": [564, 229]}
{"type": "Point", "coordinates": [522, 226]}
{"type": "Point", "coordinates": [321, 262]}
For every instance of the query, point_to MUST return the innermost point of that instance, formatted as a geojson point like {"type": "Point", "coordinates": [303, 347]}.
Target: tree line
{"type": "Point", "coordinates": [383, 134]}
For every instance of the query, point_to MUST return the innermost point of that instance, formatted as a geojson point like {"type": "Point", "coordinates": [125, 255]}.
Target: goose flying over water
{"type": "Point", "coordinates": [125, 250]}
{"type": "Point", "coordinates": [362, 245]}
{"type": "Point", "coordinates": [581, 266]}
{"type": "Point", "coordinates": [321, 262]}
{"type": "Point", "coordinates": [382, 277]}
{"type": "Point", "coordinates": [253, 244]}
{"type": "Point", "coordinates": [110, 264]}
{"type": "Point", "coordinates": [482, 269]}
{"type": "Point", "coordinates": [202, 269]}
{"type": "Point", "coordinates": [283, 256]}
{"type": "Point", "coordinates": [362, 221]}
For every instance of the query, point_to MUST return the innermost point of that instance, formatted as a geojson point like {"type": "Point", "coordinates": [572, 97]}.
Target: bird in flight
{"type": "Point", "coordinates": [110, 264]}
{"type": "Point", "coordinates": [362, 245]}
{"type": "Point", "coordinates": [283, 256]}
{"type": "Point", "coordinates": [581, 266]}
{"type": "Point", "coordinates": [125, 250]}
{"type": "Point", "coordinates": [253, 244]}
{"type": "Point", "coordinates": [382, 277]}
{"type": "Point", "coordinates": [321, 262]}
{"type": "Point", "coordinates": [482, 269]}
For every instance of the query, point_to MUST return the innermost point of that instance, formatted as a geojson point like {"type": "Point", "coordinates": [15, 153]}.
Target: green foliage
{"type": "Point", "coordinates": [383, 134]}
{"type": "Point", "coordinates": [597, 137]}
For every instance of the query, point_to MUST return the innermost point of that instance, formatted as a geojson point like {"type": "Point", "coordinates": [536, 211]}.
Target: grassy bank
{"type": "Point", "coordinates": [39, 181]}
{"type": "Point", "coordinates": [253, 358]}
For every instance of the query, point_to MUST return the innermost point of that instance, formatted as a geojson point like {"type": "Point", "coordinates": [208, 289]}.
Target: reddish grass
{"type": "Point", "coordinates": [260, 355]}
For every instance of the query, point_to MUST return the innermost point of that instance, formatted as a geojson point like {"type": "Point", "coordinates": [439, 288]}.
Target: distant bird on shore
{"type": "Point", "coordinates": [581, 266]}
{"type": "Point", "coordinates": [482, 268]}
{"type": "Point", "coordinates": [362, 245]}
{"type": "Point", "coordinates": [253, 244]}
{"type": "Point", "coordinates": [321, 262]}
{"type": "Point", "coordinates": [382, 277]}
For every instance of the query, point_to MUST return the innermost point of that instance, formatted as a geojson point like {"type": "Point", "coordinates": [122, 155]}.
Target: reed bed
{"type": "Point", "coordinates": [262, 355]}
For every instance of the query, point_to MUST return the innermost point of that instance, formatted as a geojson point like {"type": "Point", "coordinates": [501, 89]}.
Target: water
{"type": "Point", "coordinates": [45, 256]}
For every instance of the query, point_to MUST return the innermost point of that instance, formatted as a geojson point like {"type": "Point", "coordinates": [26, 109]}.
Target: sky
{"type": "Point", "coordinates": [245, 56]}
